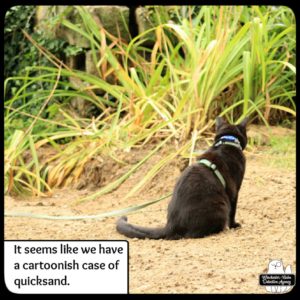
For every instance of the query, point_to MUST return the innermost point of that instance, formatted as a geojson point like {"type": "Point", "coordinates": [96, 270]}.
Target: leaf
{"type": "Point", "coordinates": [286, 109]}
{"type": "Point", "coordinates": [287, 64]}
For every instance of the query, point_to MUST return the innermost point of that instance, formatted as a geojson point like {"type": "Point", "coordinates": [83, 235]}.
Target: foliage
{"type": "Point", "coordinates": [19, 53]}
{"type": "Point", "coordinates": [234, 61]}
{"type": "Point", "coordinates": [283, 151]}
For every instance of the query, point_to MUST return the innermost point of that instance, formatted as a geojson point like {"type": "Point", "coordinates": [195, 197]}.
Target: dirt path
{"type": "Point", "coordinates": [229, 262]}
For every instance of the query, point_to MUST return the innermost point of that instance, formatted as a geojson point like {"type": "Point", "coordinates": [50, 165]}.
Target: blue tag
{"type": "Point", "coordinates": [229, 138]}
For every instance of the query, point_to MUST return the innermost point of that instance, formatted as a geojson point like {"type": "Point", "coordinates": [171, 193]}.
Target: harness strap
{"type": "Point", "coordinates": [213, 167]}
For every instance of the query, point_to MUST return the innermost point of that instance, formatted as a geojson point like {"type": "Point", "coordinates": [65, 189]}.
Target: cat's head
{"type": "Point", "coordinates": [275, 266]}
{"type": "Point", "coordinates": [238, 131]}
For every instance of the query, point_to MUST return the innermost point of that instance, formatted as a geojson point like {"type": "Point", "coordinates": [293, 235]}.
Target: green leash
{"type": "Point", "coordinates": [113, 213]}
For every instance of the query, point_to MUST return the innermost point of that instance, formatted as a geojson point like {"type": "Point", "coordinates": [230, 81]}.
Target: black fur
{"type": "Point", "coordinates": [200, 205]}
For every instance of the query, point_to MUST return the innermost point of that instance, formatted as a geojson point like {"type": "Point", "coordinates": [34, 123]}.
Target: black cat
{"type": "Point", "coordinates": [205, 196]}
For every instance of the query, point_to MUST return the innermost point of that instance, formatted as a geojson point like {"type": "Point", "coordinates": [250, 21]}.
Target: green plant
{"type": "Point", "coordinates": [19, 53]}
{"type": "Point", "coordinates": [283, 151]}
{"type": "Point", "coordinates": [233, 61]}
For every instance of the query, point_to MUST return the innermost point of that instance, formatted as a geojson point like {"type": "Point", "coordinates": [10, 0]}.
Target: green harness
{"type": "Point", "coordinates": [213, 167]}
{"type": "Point", "coordinates": [225, 140]}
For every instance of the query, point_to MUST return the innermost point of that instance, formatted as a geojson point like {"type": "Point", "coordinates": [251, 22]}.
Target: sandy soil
{"type": "Point", "coordinates": [229, 262]}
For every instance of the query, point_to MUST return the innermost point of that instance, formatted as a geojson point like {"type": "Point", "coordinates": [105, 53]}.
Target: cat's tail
{"type": "Point", "coordinates": [133, 231]}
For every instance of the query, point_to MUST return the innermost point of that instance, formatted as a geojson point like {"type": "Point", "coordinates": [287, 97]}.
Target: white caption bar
{"type": "Point", "coordinates": [81, 267]}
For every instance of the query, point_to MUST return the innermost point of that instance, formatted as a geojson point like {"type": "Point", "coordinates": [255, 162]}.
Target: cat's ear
{"type": "Point", "coordinates": [244, 122]}
{"type": "Point", "coordinates": [219, 122]}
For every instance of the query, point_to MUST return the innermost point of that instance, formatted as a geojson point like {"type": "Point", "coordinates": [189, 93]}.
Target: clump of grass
{"type": "Point", "coordinates": [283, 151]}
{"type": "Point", "coordinates": [175, 95]}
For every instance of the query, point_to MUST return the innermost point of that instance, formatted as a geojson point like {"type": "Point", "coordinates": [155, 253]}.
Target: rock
{"type": "Point", "coordinates": [258, 138]}
{"type": "Point", "coordinates": [90, 64]}
{"type": "Point", "coordinates": [82, 107]}
{"type": "Point", "coordinates": [115, 19]}
{"type": "Point", "coordinates": [41, 15]}
{"type": "Point", "coordinates": [144, 23]}
{"type": "Point", "coordinates": [71, 36]}
{"type": "Point", "coordinates": [91, 68]}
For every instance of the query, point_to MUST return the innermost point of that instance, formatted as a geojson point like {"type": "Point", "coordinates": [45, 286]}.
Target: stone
{"type": "Point", "coordinates": [91, 68]}
{"type": "Point", "coordinates": [42, 14]}
{"type": "Point", "coordinates": [90, 65]}
{"type": "Point", "coordinates": [115, 19]}
{"type": "Point", "coordinates": [71, 36]}
{"type": "Point", "coordinates": [144, 23]}
{"type": "Point", "coordinates": [258, 138]}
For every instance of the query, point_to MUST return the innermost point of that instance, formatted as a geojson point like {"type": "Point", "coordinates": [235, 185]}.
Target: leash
{"type": "Point", "coordinates": [113, 213]}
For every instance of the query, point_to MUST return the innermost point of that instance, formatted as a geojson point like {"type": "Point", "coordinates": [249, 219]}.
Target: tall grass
{"type": "Point", "coordinates": [234, 61]}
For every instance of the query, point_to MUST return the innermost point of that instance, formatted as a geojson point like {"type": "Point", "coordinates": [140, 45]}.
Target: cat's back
{"type": "Point", "coordinates": [197, 180]}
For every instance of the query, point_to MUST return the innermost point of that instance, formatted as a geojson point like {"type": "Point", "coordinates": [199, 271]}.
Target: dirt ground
{"type": "Point", "coordinates": [229, 262]}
